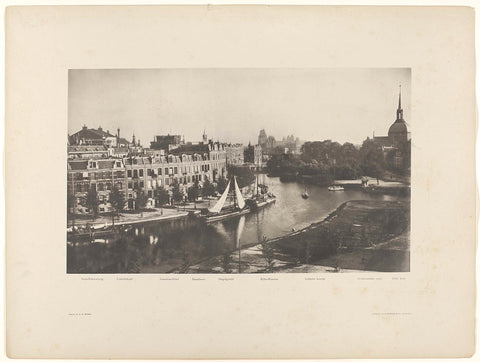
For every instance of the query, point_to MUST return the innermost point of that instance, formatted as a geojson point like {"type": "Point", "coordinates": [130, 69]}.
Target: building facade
{"type": "Point", "coordinates": [253, 155]}
{"type": "Point", "coordinates": [235, 154]}
{"type": "Point", "coordinates": [143, 174]}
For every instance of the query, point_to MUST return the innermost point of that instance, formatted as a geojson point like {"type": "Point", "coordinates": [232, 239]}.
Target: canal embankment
{"type": "Point", "coordinates": [151, 215]}
{"type": "Point", "coordinates": [360, 235]}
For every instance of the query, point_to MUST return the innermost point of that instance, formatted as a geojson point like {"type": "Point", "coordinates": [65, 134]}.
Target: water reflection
{"type": "Point", "coordinates": [174, 245]}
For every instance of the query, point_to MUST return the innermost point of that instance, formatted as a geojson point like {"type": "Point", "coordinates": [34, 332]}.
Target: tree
{"type": "Point", "coordinates": [226, 262]}
{"type": "Point", "coordinates": [208, 189]}
{"type": "Point", "coordinates": [162, 196]}
{"type": "Point", "coordinates": [221, 185]}
{"type": "Point", "coordinates": [268, 254]}
{"type": "Point", "coordinates": [243, 174]}
{"type": "Point", "coordinates": [117, 200]}
{"type": "Point", "coordinates": [193, 191]}
{"type": "Point", "coordinates": [177, 192]}
{"type": "Point", "coordinates": [372, 162]}
{"type": "Point", "coordinates": [140, 200]}
{"type": "Point", "coordinates": [92, 202]}
{"type": "Point", "coordinates": [71, 201]}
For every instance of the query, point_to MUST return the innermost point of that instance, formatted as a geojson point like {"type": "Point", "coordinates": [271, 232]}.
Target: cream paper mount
{"type": "Point", "coordinates": [428, 312]}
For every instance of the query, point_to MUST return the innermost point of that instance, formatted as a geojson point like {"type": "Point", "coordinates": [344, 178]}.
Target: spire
{"type": "Point", "coordinates": [400, 110]}
{"type": "Point", "coordinates": [400, 97]}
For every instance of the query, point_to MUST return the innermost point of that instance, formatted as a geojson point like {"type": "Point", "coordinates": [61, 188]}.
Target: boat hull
{"type": "Point", "coordinates": [214, 218]}
{"type": "Point", "coordinates": [262, 204]}
{"type": "Point", "coordinates": [335, 188]}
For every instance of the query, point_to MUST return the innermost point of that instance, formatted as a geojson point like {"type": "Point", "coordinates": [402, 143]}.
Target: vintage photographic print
{"type": "Point", "coordinates": [238, 170]}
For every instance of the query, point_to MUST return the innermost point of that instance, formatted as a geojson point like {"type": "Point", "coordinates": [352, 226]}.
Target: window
{"type": "Point", "coordinates": [141, 173]}
{"type": "Point", "coordinates": [109, 186]}
{"type": "Point", "coordinates": [119, 185]}
{"type": "Point", "coordinates": [167, 181]}
{"type": "Point", "coordinates": [160, 172]}
{"type": "Point", "coordinates": [135, 173]}
{"type": "Point", "coordinates": [129, 185]}
{"type": "Point", "coordinates": [166, 170]}
{"type": "Point", "coordinates": [149, 172]}
{"type": "Point", "coordinates": [150, 193]}
{"type": "Point", "coordinates": [129, 173]}
{"type": "Point", "coordinates": [118, 164]}
{"type": "Point", "coordinates": [141, 184]}
{"type": "Point", "coordinates": [175, 170]}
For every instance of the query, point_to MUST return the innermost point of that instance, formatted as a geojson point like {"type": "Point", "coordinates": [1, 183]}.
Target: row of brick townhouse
{"type": "Point", "coordinates": [148, 174]}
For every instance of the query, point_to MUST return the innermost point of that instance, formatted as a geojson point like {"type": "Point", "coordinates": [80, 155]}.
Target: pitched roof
{"type": "Point", "coordinates": [105, 164]}
{"type": "Point", "coordinates": [191, 148]}
{"type": "Point", "coordinates": [77, 165]}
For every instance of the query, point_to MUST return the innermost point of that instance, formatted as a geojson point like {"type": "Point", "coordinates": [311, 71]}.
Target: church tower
{"type": "Point", "coordinates": [398, 130]}
{"type": "Point", "coordinates": [400, 110]}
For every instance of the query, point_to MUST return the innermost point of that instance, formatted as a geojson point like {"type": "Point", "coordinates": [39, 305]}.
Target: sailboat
{"type": "Point", "coordinates": [258, 201]}
{"type": "Point", "coordinates": [334, 187]}
{"type": "Point", "coordinates": [305, 194]}
{"type": "Point", "coordinates": [221, 212]}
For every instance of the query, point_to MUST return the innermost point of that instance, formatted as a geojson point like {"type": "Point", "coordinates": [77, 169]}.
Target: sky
{"type": "Point", "coordinates": [232, 105]}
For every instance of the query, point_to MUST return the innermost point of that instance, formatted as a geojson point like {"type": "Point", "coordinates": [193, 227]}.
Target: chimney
{"type": "Point", "coordinates": [84, 128]}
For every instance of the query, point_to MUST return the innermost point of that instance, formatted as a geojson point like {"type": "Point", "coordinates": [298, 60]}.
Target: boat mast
{"type": "Point", "coordinates": [234, 195]}
{"type": "Point", "coordinates": [334, 163]}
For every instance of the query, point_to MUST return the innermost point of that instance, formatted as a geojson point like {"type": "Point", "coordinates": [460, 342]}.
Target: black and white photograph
{"type": "Point", "coordinates": [238, 170]}
{"type": "Point", "coordinates": [242, 182]}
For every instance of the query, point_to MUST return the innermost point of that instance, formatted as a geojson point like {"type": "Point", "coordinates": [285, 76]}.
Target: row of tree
{"type": "Point", "coordinates": [327, 160]}
{"type": "Point", "coordinates": [162, 196]}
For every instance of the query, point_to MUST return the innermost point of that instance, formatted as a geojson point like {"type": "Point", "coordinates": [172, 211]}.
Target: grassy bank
{"type": "Point", "coordinates": [360, 235]}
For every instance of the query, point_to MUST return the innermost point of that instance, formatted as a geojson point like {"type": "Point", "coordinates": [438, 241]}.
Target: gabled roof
{"type": "Point", "coordinates": [91, 133]}
{"type": "Point", "coordinates": [191, 148]}
{"type": "Point", "coordinates": [77, 165]}
{"type": "Point", "coordinates": [105, 164]}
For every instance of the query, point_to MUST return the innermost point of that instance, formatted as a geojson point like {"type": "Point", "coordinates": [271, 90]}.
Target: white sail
{"type": "Point", "coordinates": [238, 194]}
{"type": "Point", "coordinates": [241, 224]}
{"type": "Point", "coordinates": [218, 206]}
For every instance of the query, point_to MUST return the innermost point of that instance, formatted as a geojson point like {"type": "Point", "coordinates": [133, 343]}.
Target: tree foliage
{"type": "Point", "coordinates": [92, 202]}
{"type": "Point", "coordinates": [140, 200]}
{"type": "Point", "coordinates": [221, 185]}
{"type": "Point", "coordinates": [162, 196]}
{"type": "Point", "coordinates": [207, 189]}
{"type": "Point", "coordinates": [193, 191]}
{"type": "Point", "coordinates": [177, 192]}
{"type": "Point", "coordinates": [117, 200]}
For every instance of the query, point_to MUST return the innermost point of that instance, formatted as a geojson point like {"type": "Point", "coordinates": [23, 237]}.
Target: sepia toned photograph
{"type": "Point", "coordinates": [238, 171]}
{"type": "Point", "coordinates": [249, 165]}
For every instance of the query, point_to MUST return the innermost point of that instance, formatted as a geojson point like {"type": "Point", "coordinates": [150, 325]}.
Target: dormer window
{"type": "Point", "coordinates": [93, 164]}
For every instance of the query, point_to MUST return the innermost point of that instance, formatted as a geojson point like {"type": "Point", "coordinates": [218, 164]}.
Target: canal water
{"type": "Point", "coordinates": [172, 245]}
